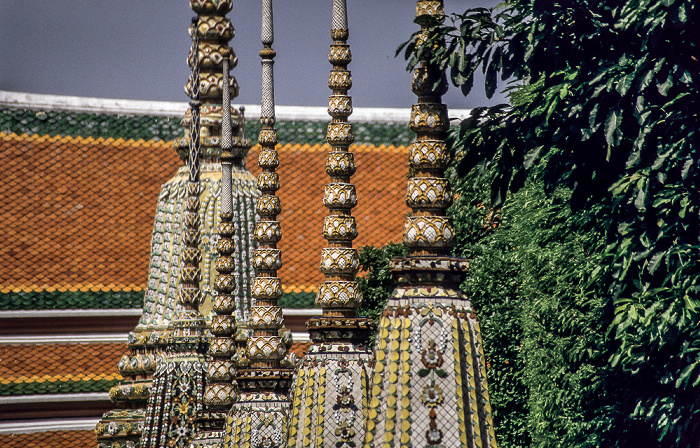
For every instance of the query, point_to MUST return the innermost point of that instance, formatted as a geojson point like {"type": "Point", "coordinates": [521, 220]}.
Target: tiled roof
{"type": "Point", "coordinates": [78, 212]}
{"type": "Point", "coordinates": [50, 439]}
{"type": "Point", "coordinates": [67, 368]}
{"type": "Point", "coordinates": [78, 215]}
{"type": "Point", "coordinates": [69, 300]}
{"type": "Point", "coordinates": [149, 127]}
{"type": "Point", "coordinates": [59, 123]}
{"type": "Point", "coordinates": [59, 368]}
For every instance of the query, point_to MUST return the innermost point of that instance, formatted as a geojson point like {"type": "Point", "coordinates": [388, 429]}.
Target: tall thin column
{"type": "Point", "coordinates": [259, 417]}
{"type": "Point", "coordinates": [332, 382]}
{"type": "Point", "coordinates": [429, 383]}
{"type": "Point", "coordinates": [220, 391]}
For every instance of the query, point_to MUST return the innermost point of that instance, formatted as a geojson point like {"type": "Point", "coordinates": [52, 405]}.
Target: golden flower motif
{"type": "Point", "coordinates": [432, 396]}
{"type": "Point", "coordinates": [344, 431]}
{"type": "Point", "coordinates": [432, 358]}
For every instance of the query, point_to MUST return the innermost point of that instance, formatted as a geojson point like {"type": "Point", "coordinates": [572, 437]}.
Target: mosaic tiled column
{"type": "Point", "coordinates": [220, 390]}
{"type": "Point", "coordinates": [178, 382]}
{"type": "Point", "coordinates": [429, 383]}
{"type": "Point", "coordinates": [148, 340]}
{"type": "Point", "coordinates": [331, 384]}
{"type": "Point", "coordinates": [259, 416]}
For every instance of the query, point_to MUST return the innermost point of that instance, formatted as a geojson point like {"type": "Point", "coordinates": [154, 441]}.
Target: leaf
{"type": "Point", "coordinates": [492, 73]}
{"type": "Point", "coordinates": [441, 373]}
{"type": "Point", "coordinates": [650, 74]}
{"type": "Point", "coordinates": [686, 167]}
{"type": "Point", "coordinates": [633, 159]}
{"type": "Point", "coordinates": [655, 261]}
{"type": "Point", "coordinates": [401, 47]}
{"type": "Point", "coordinates": [531, 157]}
{"type": "Point", "coordinates": [640, 200]}
{"type": "Point", "coordinates": [687, 374]}
{"type": "Point", "coordinates": [624, 84]}
{"type": "Point", "coordinates": [423, 372]}
{"type": "Point", "coordinates": [610, 127]}
{"type": "Point", "coordinates": [593, 116]}
{"type": "Point", "coordinates": [664, 88]}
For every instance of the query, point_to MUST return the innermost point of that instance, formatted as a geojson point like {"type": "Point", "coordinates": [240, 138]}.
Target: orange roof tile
{"type": "Point", "coordinates": [51, 439]}
{"type": "Point", "coordinates": [300, 348]}
{"type": "Point", "coordinates": [58, 360]}
{"type": "Point", "coordinates": [78, 212]}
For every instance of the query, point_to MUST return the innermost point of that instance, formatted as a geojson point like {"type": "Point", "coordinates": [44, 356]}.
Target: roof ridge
{"type": "Point", "coordinates": [177, 109]}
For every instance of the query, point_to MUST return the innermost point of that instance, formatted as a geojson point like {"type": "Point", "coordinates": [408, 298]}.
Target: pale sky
{"type": "Point", "coordinates": [137, 49]}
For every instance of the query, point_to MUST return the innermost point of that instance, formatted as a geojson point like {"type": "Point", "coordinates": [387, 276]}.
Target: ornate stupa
{"type": "Point", "coordinates": [330, 393]}
{"type": "Point", "coordinates": [123, 427]}
{"type": "Point", "coordinates": [429, 383]}
{"type": "Point", "coordinates": [259, 416]}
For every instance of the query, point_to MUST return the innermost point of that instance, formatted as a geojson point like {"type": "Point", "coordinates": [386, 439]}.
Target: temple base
{"type": "Point", "coordinates": [257, 420]}
{"type": "Point", "coordinates": [330, 396]}
{"type": "Point", "coordinates": [429, 384]}
{"type": "Point", "coordinates": [176, 398]}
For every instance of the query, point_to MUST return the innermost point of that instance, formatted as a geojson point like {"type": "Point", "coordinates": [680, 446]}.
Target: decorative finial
{"type": "Point", "coordinates": [259, 417]}
{"type": "Point", "coordinates": [178, 382]}
{"type": "Point", "coordinates": [336, 369]}
{"type": "Point", "coordinates": [220, 390]}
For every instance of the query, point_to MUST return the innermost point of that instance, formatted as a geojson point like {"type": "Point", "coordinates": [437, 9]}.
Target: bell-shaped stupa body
{"type": "Point", "coordinates": [148, 342]}
{"type": "Point", "coordinates": [429, 387]}
{"type": "Point", "coordinates": [330, 393]}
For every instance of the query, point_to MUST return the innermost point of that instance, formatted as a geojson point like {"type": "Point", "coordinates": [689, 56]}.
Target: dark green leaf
{"type": "Point", "coordinates": [663, 88]}
{"type": "Point", "coordinates": [610, 127]}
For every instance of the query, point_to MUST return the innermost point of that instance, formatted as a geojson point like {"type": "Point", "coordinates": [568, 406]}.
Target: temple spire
{"type": "Point", "coordinates": [178, 383]}
{"type": "Point", "coordinates": [332, 382]}
{"type": "Point", "coordinates": [220, 390]}
{"type": "Point", "coordinates": [151, 340]}
{"type": "Point", "coordinates": [429, 384]}
{"type": "Point", "coordinates": [259, 417]}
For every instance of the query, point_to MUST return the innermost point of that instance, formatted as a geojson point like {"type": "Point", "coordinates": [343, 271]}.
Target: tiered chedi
{"type": "Point", "coordinates": [220, 390]}
{"type": "Point", "coordinates": [259, 416]}
{"type": "Point", "coordinates": [122, 427]}
{"type": "Point", "coordinates": [429, 383]}
{"type": "Point", "coordinates": [330, 391]}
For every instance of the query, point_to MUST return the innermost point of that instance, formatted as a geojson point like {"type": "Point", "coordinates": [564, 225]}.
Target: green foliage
{"type": "Point", "coordinates": [377, 283]}
{"type": "Point", "coordinates": [531, 309]}
{"type": "Point", "coordinates": [491, 284]}
{"type": "Point", "coordinates": [602, 119]}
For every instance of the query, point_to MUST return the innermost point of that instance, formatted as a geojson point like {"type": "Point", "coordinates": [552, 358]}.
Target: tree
{"type": "Point", "coordinates": [603, 117]}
